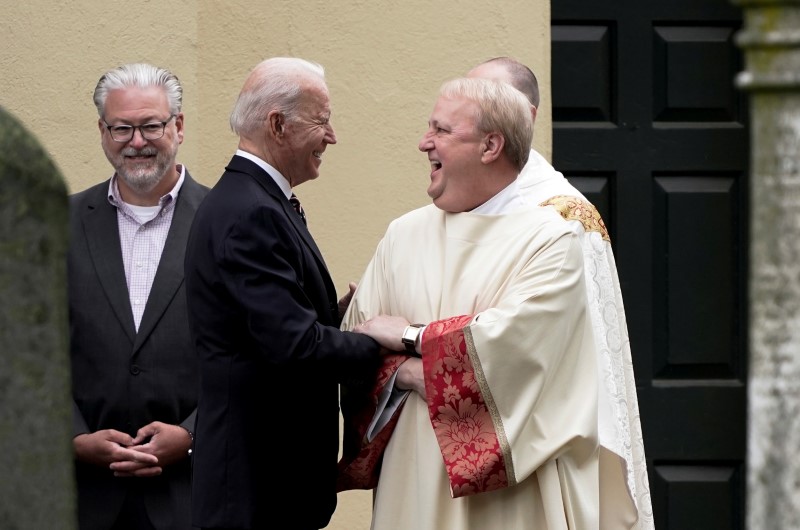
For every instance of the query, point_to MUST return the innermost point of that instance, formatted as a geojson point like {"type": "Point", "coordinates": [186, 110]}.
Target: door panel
{"type": "Point", "coordinates": [648, 125]}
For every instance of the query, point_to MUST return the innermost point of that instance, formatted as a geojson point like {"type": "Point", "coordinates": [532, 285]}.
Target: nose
{"type": "Point", "coordinates": [137, 140]}
{"type": "Point", "coordinates": [426, 143]}
{"type": "Point", "coordinates": [330, 135]}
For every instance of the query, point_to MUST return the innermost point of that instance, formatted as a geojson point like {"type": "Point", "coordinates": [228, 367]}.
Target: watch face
{"type": "Point", "coordinates": [410, 335]}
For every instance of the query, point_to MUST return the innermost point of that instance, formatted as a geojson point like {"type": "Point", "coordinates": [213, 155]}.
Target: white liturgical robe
{"type": "Point", "coordinates": [509, 435]}
{"type": "Point", "coordinates": [620, 428]}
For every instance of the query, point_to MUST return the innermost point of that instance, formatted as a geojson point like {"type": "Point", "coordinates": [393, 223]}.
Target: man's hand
{"type": "Point", "coordinates": [344, 301]}
{"type": "Point", "coordinates": [387, 330]}
{"type": "Point", "coordinates": [109, 448]}
{"type": "Point", "coordinates": [167, 443]}
{"type": "Point", "coordinates": [410, 377]}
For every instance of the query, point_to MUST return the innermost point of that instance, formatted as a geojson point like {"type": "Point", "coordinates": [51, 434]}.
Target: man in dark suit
{"type": "Point", "coordinates": [134, 369]}
{"type": "Point", "coordinates": [263, 311]}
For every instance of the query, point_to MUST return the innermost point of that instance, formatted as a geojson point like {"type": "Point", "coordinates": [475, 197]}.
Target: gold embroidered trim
{"type": "Point", "coordinates": [575, 209]}
{"type": "Point", "coordinates": [480, 377]}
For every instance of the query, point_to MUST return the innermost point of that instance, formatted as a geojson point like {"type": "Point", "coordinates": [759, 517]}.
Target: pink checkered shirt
{"type": "Point", "coordinates": [142, 243]}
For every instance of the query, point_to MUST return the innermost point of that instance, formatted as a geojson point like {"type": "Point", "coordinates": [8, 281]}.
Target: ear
{"type": "Point", "coordinates": [492, 147]}
{"type": "Point", "coordinates": [179, 126]}
{"type": "Point", "coordinates": [276, 123]}
{"type": "Point", "coordinates": [534, 110]}
{"type": "Point", "coordinates": [101, 126]}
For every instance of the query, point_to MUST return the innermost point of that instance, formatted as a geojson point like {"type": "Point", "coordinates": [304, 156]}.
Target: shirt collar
{"type": "Point", "coordinates": [115, 198]}
{"type": "Point", "coordinates": [276, 175]}
{"type": "Point", "coordinates": [506, 200]}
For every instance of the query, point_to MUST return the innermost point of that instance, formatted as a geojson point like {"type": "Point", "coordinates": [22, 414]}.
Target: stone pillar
{"type": "Point", "coordinates": [771, 42]}
{"type": "Point", "coordinates": [36, 464]}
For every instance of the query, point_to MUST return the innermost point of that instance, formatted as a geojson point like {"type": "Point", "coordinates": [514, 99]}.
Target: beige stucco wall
{"type": "Point", "coordinates": [384, 62]}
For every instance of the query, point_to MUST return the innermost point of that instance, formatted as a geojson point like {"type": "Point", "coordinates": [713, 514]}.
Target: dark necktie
{"type": "Point", "coordinates": [297, 208]}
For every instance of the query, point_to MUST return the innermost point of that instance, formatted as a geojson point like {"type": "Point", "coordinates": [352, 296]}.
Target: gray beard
{"type": "Point", "coordinates": [144, 179]}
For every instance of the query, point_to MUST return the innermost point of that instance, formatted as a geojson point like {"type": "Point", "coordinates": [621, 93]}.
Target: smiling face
{"type": "Point", "coordinates": [306, 136]}
{"type": "Point", "coordinates": [146, 167]}
{"type": "Point", "coordinates": [454, 149]}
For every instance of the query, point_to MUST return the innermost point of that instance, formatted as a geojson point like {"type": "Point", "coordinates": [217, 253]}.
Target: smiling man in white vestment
{"type": "Point", "coordinates": [495, 425]}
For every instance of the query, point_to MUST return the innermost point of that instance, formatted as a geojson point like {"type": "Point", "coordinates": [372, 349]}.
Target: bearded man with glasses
{"type": "Point", "coordinates": [134, 370]}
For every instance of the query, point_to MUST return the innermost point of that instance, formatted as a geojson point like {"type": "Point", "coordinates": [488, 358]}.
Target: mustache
{"type": "Point", "coordinates": [145, 151]}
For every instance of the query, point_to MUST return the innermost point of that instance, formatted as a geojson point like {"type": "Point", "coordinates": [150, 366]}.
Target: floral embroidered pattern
{"type": "Point", "coordinates": [575, 209]}
{"type": "Point", "coordinates": [360, 465]}
{"type": "Point", "coordinates": [461, 419]}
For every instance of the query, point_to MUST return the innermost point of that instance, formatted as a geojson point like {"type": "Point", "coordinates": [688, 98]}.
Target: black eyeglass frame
{"type": "Point", "coordinates": [132, 130]}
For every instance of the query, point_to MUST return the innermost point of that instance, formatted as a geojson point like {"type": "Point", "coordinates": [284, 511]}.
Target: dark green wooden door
{"type": "Point", "coordinates": [648, 124]}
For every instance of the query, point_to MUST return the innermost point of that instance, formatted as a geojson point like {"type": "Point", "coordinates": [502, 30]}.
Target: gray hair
{"type": "Point", "coordinates": [521, 77]}
{"type": "Point", "coordinates": [274, 84]}
{"type": "Point", "coordinates": [502, 109]}
{"type": "Point", "coordinates": [140, 75]}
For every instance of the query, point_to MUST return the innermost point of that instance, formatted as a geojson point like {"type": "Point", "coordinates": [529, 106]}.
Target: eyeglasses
{"type": "Point", "coordinates": [149, 131]}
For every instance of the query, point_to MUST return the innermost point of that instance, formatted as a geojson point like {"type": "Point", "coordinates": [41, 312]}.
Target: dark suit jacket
{"type": "Point", "coordinates": [263, 311]}
{"type": "Point", "coordinates": [122, 379]}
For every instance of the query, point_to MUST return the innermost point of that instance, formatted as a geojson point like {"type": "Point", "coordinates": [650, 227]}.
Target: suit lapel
{"type": "Point", "coordinates": [100, 226]}
{"type": "Point", "coordinates": [304, 233]}
{"type": "Point", "coordinates": [169, 275]}
{"type": "Point", "coordinates": [265, 181]}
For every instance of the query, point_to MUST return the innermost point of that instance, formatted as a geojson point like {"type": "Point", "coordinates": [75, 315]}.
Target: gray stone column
{"type": "Point", "coordinates": [771, 42]}
{"type": "Point", "coordinates": [36, 464]}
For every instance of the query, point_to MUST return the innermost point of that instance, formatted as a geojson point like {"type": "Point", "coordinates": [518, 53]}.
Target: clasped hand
{"type": "Point", "coordinates": [388, 331]}
{"type": "Point", "coordinates": [156, 445]}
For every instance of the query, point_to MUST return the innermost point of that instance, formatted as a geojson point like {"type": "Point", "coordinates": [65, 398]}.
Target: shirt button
{"type": "Point", "coordinates": [135, 370]}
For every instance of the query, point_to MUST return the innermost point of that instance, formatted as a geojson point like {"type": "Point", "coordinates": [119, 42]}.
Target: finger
{"type": "Point", "coordinates": [145, 472]}
{"type": "Point", "coordinates": [118, 437]}
{"type": "Point", "coordinates": [133, 455]}
{"type": "Point", "coordinates": [129, 467]}
{"type": "Point", "coordinates": [147, 449]}
{"type": "Point", "coordinates": [144, 433]}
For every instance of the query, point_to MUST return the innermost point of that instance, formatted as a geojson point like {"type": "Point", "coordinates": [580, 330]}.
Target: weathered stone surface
{"type": "Point", "coordinates": [37, 484]}
{"type": "Point", "coordinates": [772, 48]}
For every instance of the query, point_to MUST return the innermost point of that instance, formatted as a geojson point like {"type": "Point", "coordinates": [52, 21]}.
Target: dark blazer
{"type": "Point", "coordinates": [122, 379]}
{"type": "Point", "coordinates": [263, 311]}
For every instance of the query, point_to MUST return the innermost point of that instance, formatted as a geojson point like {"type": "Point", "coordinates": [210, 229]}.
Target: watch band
{"type": "Point", "coordinates": [191, 440]}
